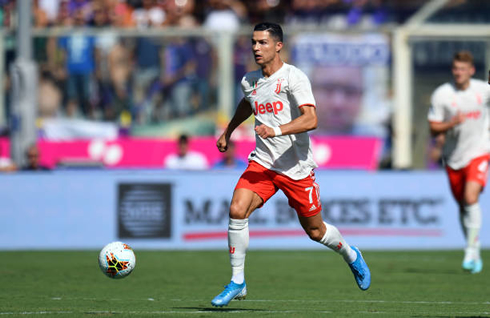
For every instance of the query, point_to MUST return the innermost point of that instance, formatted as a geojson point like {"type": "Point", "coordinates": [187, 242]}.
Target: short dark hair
{"type": "Point", "coordinates": [183, 139]}
{"type": "Point", "coordinates": [464, 56]}
{"type": "Point", "coordinates": [274, 30]}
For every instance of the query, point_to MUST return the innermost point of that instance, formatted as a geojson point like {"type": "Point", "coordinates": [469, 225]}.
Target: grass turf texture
{"type": "Point", "coordinates": [280, 284]}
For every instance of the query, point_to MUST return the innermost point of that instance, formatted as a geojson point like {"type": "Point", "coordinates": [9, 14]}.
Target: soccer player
{"type": "Point", "coordinates": [459, 111]}
{"type": "Point", "coordinates": [280, 97]}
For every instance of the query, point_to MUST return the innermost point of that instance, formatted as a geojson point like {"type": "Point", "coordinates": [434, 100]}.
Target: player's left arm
{"type": "Point", "coordinates": [305, 122]}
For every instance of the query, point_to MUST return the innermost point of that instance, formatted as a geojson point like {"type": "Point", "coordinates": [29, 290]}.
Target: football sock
{"type": "Point", "coordinates": [238, 238]}
{"type": "Point", "coordinates": [461, 220]}
{"type": "Point", "coordinates": [472, 225]}
{"type": "Point", "coordinates": [334, 240]}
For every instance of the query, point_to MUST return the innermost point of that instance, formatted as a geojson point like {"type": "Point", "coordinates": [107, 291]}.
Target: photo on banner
{"type": "Point", "coordinates": [350, 80]}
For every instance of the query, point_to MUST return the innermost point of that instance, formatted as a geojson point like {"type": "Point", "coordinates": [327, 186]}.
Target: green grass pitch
{"type": "Point", "coordinates": [280, 284]}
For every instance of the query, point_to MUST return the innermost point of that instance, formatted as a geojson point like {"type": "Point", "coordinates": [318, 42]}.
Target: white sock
{"type": "Point", "coordinates": [471, 225]}
{"type": "Point", "coordinates": [238, 238]}
{"type": "Point", "coordinates": [334, 240]}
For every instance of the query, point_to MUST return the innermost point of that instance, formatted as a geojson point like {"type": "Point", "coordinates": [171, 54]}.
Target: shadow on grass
{"type": "Point", "coordinates": [221, 309]}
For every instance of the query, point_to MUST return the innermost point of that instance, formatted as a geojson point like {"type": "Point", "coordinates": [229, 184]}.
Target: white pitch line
{"type": "Point", "coordinates": [419, 302]}
{"type": "Point", "coordinates": [163, 312]}
{"type": "Point", "coordinates": [36, 312]}
{"type": "Point", "coordinates": [217, 311]}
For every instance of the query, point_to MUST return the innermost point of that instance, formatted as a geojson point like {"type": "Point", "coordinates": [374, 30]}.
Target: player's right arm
{"type": "Point", "coordinates": [437, 128]}
{"type": "Point", "coordinates": [243, 111]}
{"type": "Point", "coordinates": [438, 122]}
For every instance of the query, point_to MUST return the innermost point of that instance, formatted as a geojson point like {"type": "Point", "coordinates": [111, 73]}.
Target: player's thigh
{"type": "Point", "coordinates": [457, 183]}
{"type": "Point", "coordinates": [475, 179]}
{"type": "Point", "coordinates": [253, 189]}
{"type": "Point", "coordinates": [243, 203]}
{"type": "Point", "coordinates": [303, 195]}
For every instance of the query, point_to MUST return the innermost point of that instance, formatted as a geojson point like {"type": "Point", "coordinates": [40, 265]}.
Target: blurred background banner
{"type": "Point", "coordinates": [169, 210]}
{"type": "Point", "coordinates": [360, 153]}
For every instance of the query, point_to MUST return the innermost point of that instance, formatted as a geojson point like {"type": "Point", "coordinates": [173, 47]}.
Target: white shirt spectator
{"type": "Point", "coordinates": [191, 161]}
{"type": "Point", "coordinates": [153, 17]}
{"type": "Point", "coordinates": [222, 20]}
{"type": "Point", "coordinates": [51, 8]}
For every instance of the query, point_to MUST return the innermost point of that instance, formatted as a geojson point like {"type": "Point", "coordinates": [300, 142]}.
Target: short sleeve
{"type": "Point", "coordinates": [487, 94]}
{"type": "Point", "coordinates": [436, 109]}
{"type": "Point", "coordinates": [244, 85]}
{"type": "Point", "coordinates": [300, 88]}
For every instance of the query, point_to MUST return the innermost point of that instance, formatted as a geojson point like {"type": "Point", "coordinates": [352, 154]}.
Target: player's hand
{"type": "Point", "coordinates": [458, 119]}
{"type": "Point", "coordinates": [222, 143]}
{"type": "Point", "coordinates": [265, 131]}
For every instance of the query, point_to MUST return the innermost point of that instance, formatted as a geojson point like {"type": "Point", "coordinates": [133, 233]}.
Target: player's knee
{"type": "Point", "coordinates": [471, 198]}
{"type": "Point", "coordinates": [315, 234]}
{"type": "Point", "coordinates": [237, 211]}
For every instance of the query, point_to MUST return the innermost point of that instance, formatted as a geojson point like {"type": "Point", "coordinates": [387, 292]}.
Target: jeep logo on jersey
{"type": "Point", "coordinates": [273, 107]}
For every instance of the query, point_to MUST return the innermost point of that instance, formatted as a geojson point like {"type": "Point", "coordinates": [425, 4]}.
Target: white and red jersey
{"type": "Point", "coordinates": [275, 101]}
{"type": "Point", "coordinates": [469, 139]}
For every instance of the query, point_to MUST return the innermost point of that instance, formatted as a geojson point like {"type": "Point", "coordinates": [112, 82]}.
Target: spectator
{"type": "Point", "coordinates": [205, 58]}
{"type": "Point", "coordinates": [148, 15]}
{"type": "Point", "coordinates": [81, 7]}
{"type": "Point", "coordinates": [104, 42]}
{"type": "Point", "coordinates": [79, 56]}
{"type": "Point", "coordinates": [243, 63]}
{"type": "Point", "coordinates": [41, 19]}
{"type": "Point", "coordinates": [119, 64]}
{"type": "Point", "coordinates": [185, 159]}
{"type": "Point", "coordinates": [224, 15]}
{"type": "Point", "coordinates": [6, 164]}
{"type": "Point", "coordinates": [180, 13]}
{"type": "Point", "coordinates": [32, 158]}
{"type": "Point", "coordinates": [266, 10]}
{"type": "Point", "coordinates": [120, 14]}
{"type": "Point", "coordinates": [49, 96]}
{"type": "Point", "coordinates": [149, 59]}
{"type": "Point", "coordinates": [50, 7]}
{"type": "Point", "coordinates": [304, 12]}
{"type": "Point", "coordinates": [63, 17]}
{"type": "Point", "coordinates": [178, 76]}
{"type": "Point", "coordinates": [230, 161]}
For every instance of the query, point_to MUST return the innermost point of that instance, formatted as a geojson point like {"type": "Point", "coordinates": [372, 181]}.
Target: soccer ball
{"type": "Point", "coordinates": [117, 260]}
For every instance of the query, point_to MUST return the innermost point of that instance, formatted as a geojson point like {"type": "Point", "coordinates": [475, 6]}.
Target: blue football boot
{"type": "Point", "coordinates": [360, 270]}
{"type": "Point", "coordinates": [477, 266]}
{"type": "Point", "coordinates": [232, 291]}
{"type": "Point", "coordinates": [468, 265]}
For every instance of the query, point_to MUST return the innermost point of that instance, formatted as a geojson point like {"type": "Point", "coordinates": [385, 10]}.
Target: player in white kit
{"type": "Point", "coordinates": [459, 110]}
{"type": "Point", "coordinates": [280, 97]}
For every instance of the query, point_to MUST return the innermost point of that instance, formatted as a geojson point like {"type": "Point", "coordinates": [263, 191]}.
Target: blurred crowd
{"type": "Point", "coordinates": [144, 80]}
{"type": "Point", "coordinates": [207, 13]}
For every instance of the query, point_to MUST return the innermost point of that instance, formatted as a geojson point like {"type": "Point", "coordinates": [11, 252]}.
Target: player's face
{"type": "Point", "coordinates": [462, 72]}
{"type": "Point", "coordinates": [183, 148]}
{"type": "Point", "coordinates": [264, 47]}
